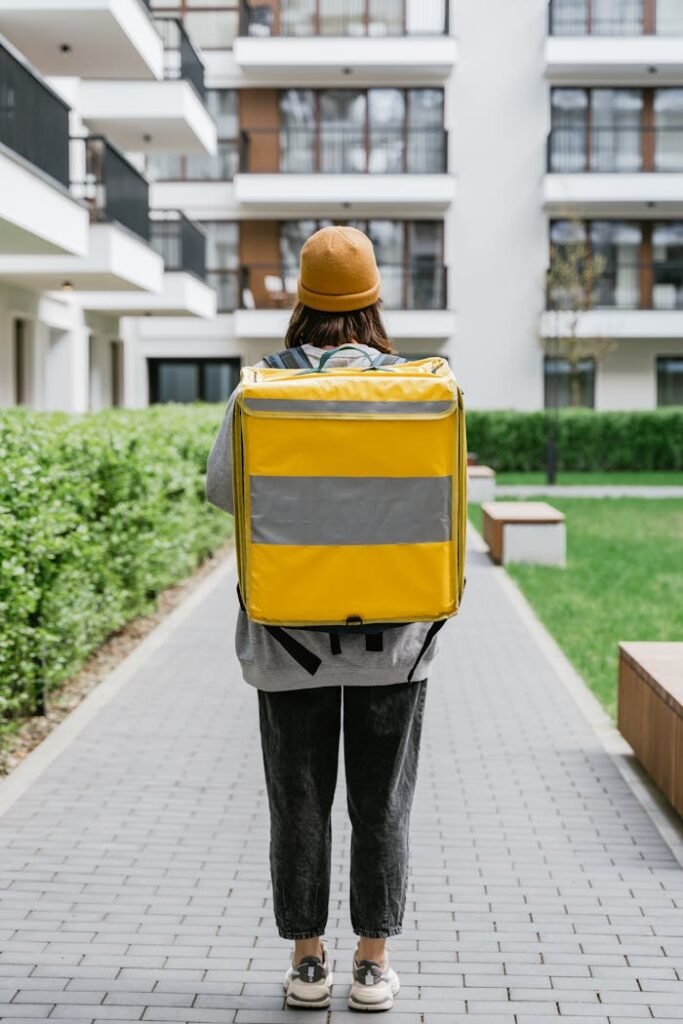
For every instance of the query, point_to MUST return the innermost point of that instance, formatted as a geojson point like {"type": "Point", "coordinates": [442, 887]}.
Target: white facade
{"type": "Point", "coordinates": [77, 248]}
{"type": "Point", "coordinates": [496, 197]}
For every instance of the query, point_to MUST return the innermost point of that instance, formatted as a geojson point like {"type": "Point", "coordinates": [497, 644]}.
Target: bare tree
{"type": "Point", "coordinates": [575, 275]}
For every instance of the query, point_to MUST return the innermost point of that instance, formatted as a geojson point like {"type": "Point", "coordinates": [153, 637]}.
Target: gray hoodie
{"type": "Point", "coordinates": [265, 663]}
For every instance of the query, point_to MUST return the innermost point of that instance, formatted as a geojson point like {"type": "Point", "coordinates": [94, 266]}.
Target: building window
{"type": "Point", "coordinates": [617, 245]}
{"type": "Point", "coordinates": [366, 131]}
{"type": "Point", "coordinates": [212, 24]}
{"type": "Point", "coordinates": [222, 262]}
{"type": "Point", "coordinates": [223, 106]}
{"type": "Point", "coordinates": [22, 362]}
{"type": "Point", "coordinates": [566, 386]}
{"type": "Point", "coordinates": [643, 263]}
{"type": "Point", "coordinates": [116, 372]}
{"type": "Point", "coordinates": [192, 380]}
{"type": "Point", "coordinates": [597, 17]}
{"type": "Point", "coordinates": [616, 130]}
{"type": "Point", "coordinates": [615, 17]}
{"type": "Point", "coordinates": [409, 255]}
{"type": "Point", "coordinates": [345, 18]}
{"type": "Point", "coordinates": [669, 380]}
{"type": "Point", "coordinates": [668, 131]}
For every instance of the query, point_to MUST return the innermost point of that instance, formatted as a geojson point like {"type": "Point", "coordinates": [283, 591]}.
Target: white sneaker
{"type": "Point", "coordinates": [308, 984]}
{"type": "Point", "coordinates": [373, 987]}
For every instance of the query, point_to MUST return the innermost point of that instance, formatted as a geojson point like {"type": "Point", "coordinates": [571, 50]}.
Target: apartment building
{"type": "Point", "coordinates": [85, 88]}
{"type": "Point", "coordinates": [326, 113]}
{"type": "Point", "coordinates": [470, 140]}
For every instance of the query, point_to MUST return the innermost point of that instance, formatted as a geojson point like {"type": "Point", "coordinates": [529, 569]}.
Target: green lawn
{"type": "Point", "coordinates": [654, 478]}
{"type": "Point", "coordinates": [623, 581]}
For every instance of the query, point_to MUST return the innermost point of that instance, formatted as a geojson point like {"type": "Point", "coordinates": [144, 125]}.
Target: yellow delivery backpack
{"type": "Point", "coordinates": [349, 493]}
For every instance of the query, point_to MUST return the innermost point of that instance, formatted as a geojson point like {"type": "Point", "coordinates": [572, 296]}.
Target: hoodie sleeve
{"type": "Point", "coordinates": [219, 466]}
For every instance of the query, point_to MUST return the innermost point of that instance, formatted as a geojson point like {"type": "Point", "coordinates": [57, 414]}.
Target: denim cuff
{"type": "Point", "coordinates": [301, 935]}
{"type": "Point", "coordinates": [381, 933]}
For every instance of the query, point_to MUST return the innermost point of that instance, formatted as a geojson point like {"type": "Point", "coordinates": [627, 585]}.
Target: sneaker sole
{"type": "Point", "coordinates": [370, 1007]}
{"type": "Point", "coordinates": [310, 1004]}
{"type": "Point", "coordinates": [367, 1007]}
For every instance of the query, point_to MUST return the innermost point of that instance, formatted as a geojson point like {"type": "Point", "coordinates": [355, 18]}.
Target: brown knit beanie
{"type": "Point", "coordinates": [338, 271]}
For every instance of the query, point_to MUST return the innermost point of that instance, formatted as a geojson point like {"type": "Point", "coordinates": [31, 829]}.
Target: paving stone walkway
{"type": "Point", "coordinates": [134, 878]}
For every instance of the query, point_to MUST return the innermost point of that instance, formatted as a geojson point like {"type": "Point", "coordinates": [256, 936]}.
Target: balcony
{"type": "Point", "coordinates": [631, 301]}
{"type": "Point", "coordinates": [184, 292]}
{"type": "Point", "coordinates": [181, 59]}
{"type": "Point", "coordinates": [339, 169]}
{"type": "Point", "coordinates": [414, 297]}
{"type": "Point", "coordinates": [656, 285]}
{"type": "Point", "coordinates": [615, 18]}
{"type": "Point", "coordinates": [85, 38]}
{"type": "Point", "coordinates": [197, 183]}
{"type": "Point", "coordinates": [155, 116]}
{"type": "Point", "coordinates": [418, 286]}
{"type": "Point", "coordinates": [326, 41]}
{"type": "Point", "coordinates": [119, 255]}
{"type": "Point", "coordinates": [598, 42]}
{"type": "Point", "coordinates": [180, 242]}
{"type": "Point", "coordinates": [37, 213]}
{"type": "Point", "coordinates": [611, 169]}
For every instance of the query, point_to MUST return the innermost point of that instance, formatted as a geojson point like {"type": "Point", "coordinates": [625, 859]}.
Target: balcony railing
{"type": "Point", "coordinates": [179, 241]}
{"type": "Point", "coordinates": [355, 18]}
{"type": "Point", "coordinates": [112, 188]}
{"type": "Point", "coordinates": [615, 17]}
{"type": "Point", "coordinates": [181, 59]}
{"type": "Point", "coordinates": [622, 150]}
{"type": "Point", "coordinates": [331, 149]}
{"type": "Point", "coordinates": [415, 286]}
{"type": "Point", "coordinates": [34, 121]}
{"type": "Point", "coordinates": [196, 166]}
{"type": "Point", "coordinates": [652, 286]}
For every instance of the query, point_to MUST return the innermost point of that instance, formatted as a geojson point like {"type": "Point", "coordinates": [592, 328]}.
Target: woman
{"type": "Point", "coordinates": [300, 716]}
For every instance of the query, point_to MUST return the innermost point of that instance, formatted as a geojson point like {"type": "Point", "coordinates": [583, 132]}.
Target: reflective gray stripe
{"type": "Point", "coordinates": [350, 510]}
{"type": "Point", "coordinates": [388, 408]}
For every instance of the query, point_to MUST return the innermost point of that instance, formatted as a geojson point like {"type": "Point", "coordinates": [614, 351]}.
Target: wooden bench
{"type": "Point", "coordinates": [531, 532]}
{"type": "Point", "coordinates": [650, 711]}
{"type": "Point", "coordinates": [481, 484]}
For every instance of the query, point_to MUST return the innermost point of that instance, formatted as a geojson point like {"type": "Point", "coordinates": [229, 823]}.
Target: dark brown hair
{"type": "Point", "coordinates": [313, 327]}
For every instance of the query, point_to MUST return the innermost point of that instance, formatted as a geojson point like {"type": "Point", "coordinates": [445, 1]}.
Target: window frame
{"type": "Point", "coordinates": [553, 405]}
{"type": "Point", "coordinates": [678, 357]}
{"type": "Point", "coordinates": [154, 364]}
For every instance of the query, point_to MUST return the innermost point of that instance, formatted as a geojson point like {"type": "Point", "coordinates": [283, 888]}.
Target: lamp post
{"type": "Point", "coordinates": [552, 350]}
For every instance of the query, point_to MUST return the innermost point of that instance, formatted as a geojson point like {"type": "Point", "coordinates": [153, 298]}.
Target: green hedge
{"type": "Point", "coordinates": [97, 514]}
{"type": "Point", "coordinates": [586, 440]}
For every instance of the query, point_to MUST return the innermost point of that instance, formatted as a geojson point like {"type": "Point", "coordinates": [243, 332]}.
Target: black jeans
{"type": "Point", "coordinates": [300, 743]}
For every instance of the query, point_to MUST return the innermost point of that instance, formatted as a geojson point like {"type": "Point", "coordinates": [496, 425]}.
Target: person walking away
{"type": "Point", "coordinates": [373, 695]}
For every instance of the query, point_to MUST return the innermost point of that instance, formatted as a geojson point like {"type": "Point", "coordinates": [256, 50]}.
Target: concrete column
{"type": "Point", "coordinates": [68, 371]}
{"type": "Point", "coordinates": [500, 118]}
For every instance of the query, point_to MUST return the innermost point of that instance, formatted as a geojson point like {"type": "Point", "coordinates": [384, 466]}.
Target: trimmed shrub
{"type": "Point", "coordinates": [97, 514]}
{"type": "Point", "coordinates": [586, 440]}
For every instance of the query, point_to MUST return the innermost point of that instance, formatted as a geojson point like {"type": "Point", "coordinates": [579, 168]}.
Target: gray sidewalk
{"type": "Point", "coordinates": [134, 871]}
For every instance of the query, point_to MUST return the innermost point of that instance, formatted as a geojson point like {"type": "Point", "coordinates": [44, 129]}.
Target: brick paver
{"type": "Point", "coordinates": [134, 872]}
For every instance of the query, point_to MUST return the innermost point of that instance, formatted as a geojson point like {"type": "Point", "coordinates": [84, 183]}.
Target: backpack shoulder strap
{"type": "Point", "coordinates": [386, 359]}
{"type": "Point", "coordinates": [289, 359]}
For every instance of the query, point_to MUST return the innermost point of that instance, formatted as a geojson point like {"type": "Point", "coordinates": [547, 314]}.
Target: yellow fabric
{"type": "Point", "coordinates": [303, 585]}
{"type": "Point", "coordinates": [338, 271]}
